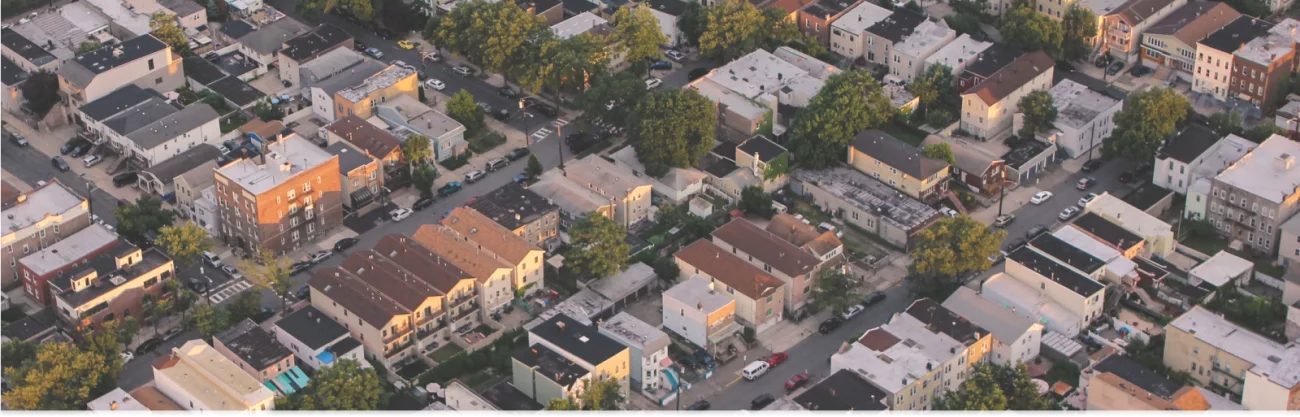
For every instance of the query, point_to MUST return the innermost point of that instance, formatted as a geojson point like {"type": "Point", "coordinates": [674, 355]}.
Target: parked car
{"type": "Point", "coordinates": [319, 256]}
{"type": "Point", "coordinates": [1141, 70]}
{"type": "Point", "coordinates": [518, 153]}
{"type": "Point", "coordinates": [653, 83]}
{"type": "Point", "coordinates": [761, 401]}
{"type": "Point", "coordinates": [1103, 61]}
{"type": "Point", "coordinates": [435, 84]}
{"type": "Point", "coordinates": [232, 272]}
{"type": "Point", "coordinates": [1085, 183]}
{"type": "Point", "coordinates": [1004, 220]}
{"type": "Point", "coordinates": [546, 110]}
{"type": "Point", "coordinates": [530, 101]}
{"type": "Point", "coordinates": [1041, 197]}
{"type": "Point", "coordinates": [92, 160]}
{"type": "Point", "coordinates": [853, 311]}
{"type": "Point", "coordinates": [997, 257]}
{"type": "Point", "coordinates": [522, 177]}
{"type": "Point", "coordinates": [15, 137]}
{"type": "Point", "coordinates": [345, 243]}
{"type": "Point", "coordinates": [508, 92]}
{"type": "Point", "coordinates": [777, 358]}
{"type": "Point", "coordinates": [700, 405]}
{"type": "Point", "coordinates": [661, 65]}
{"type": "Point", "coordinates": [374, 53]}
{"type": "Point", "coordinates": [81, 150]}
{"type": "Point", "coordinates": [69, 146]}
{"type": "Point", "coordinates": [502, 115]}
{"type": "Point", "coordinates": [873, 298]}
{"type": "Point", "coordinates": [59, 164]}
{"type": "Point", "coordinates": [1068, 213]}
{"type": "Point", "coordinates": [1083, 201]}
{"type": "Point", "coordinates": [400, 214]}
{"type": "Point", "coordinates": [422, 204]}
{"type": "Point", "coordinates": [299, 267]}
{"type": "Point", "coordinates": [830, 325]}
{"type": "Point", "coordinates": [1115, 68]}
{"type": "Point", "coordinates": [475, 175]}
{"type": "Point", "coordinates": [796, 382]}
{"type": "Point", "coordinates": [147, 346]}
{"type": "Point", "coordinates": [1126, 177]}
{"type": "Point", "coordinates": [197, 285]}
{"type": "Point", "coordinates": [303, 293]}
{"type": "Point", "coordinates": [1092, 165]}
{"type": "Point", "coordinates": [495, 164]}
{"type": "Point", "coordinates": [487, 108]}
{"type": "Point", "coordinates": [171, 333]}
{"type": "Point", "coordinates": [675, 55]}
{"type": "Point", "coordinates": [449, 189]}
{"type": "Point", "coordinates": [1035, 231]}
{"type": "Point", "coordinates": [463, 70]}
{"type": "Point", "coordinates": [125, 179]}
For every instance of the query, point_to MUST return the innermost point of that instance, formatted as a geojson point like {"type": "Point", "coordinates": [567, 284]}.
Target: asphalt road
{"type": "Point", "coordinates": [1065, 195]}
{"type": "Point", "coordinates": [31, 165]}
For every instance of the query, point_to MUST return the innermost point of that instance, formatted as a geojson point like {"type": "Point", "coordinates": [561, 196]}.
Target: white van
{"type": "Point", "coordinates": [755, 370]}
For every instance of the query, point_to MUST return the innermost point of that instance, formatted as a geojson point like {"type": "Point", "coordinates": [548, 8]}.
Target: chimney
{"type": "Point", "coordinates": [1284, 162]}
{"type": "Point", "coordinates": [560, 325]}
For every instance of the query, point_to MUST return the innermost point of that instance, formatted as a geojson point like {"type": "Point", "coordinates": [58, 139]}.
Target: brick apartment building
{"type": "Point", "coordinates": [37, 219]}
{"type": "Point", "coordinates": [289, 196]}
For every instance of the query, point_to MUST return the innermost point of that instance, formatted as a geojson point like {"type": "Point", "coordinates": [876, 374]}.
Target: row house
{"type": "Point", "coordinates": [492, 239]}
{"type": "Point", "coordinates": [1171, 42]}
{"type": "Point", "coordinates": [61, 258]}
{"type": "Point", "coordinates": [1249, 200]}
{"type": "Point", "coordinates": [816, 18]}
{"type": "Point", "coordinates": [35, 220]}
{"type": "Point", "coordinates": [785, 261]}
{"type": "Point", "coordinates": [759, 296]}
{"type": "Point", "coordinates": [564, 356]}
{"type": "Point", "coordinates": [987, 108]}
{"type": "Point", "coordinates": [1214, 55]}
{"type": "Point", "coordinates": [117, 283]}
{"type": "Point", "coordinates": [849, 32]}
{"type": "Point", "coordinates": [1122, 28]}
{"type": "Point", "coordinates": [518, 209]}
{"type": "Point", "coordinates": [308, 46]}
{"type": "Point", "coordinates": [899, 164]}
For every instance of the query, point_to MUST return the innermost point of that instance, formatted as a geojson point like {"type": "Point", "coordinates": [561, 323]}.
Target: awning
{"type": "Point", "coordinates": [665, 362]}
{"type": "Point", "coordinates": [362, 197]}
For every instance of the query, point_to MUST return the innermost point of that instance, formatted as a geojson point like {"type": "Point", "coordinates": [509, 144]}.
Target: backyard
{"type": "Point", "coordinates": [1210, 245]}
{"type": "Point", "coordinates": [446, 352]}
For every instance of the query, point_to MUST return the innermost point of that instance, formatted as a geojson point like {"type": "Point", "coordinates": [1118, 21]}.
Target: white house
{"type": "Point", "coordinates": [1085, 118]}
{"type": "Point", "coordinates": [1016, 339]}
{"type": "Point", "coordinates": [668, 12]}
{"type": "Point", "coordinates": [316, 340]}
{"type": "Point", "coordinates": [848, 33]}
{"type": "Point", "coordinates": [909, 57]}
{"type": "Point", "coordinates": [649, 348]}
{"type": "Point", "coordinates": [693, 310]}
{"type": "Point", "coordinates": [1194, 154]}
{"type": "Point", "coordinates": [677, 185]}
{"type": "Point", "coordinates": [958, 54]}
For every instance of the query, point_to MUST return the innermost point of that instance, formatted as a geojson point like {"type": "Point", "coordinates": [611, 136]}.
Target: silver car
{"type": "Point", "coordinates": [475, 175]}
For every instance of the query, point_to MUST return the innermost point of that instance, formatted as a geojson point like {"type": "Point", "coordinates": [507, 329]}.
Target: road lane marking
{"type": "Point", "coordinates": [542, 133]}
{"type": "Point", "coordinates": [729, 384]}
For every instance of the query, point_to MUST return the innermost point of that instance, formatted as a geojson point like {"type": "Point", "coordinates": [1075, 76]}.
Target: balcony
{"type": "Point", "coordinates": [394, 335]}
{"type": "Point", "coordinates": [1228, 382]}
{"type": "Point", "coordinates": [469, 309]}
{"type": "Point", "coordinates": [434, 316]}
{"type": "Point", "coordinates": [398, 348]}
{"type": "Point", "coordinates": [424, 333]}
{"type": "Point", "coordinates": [472, 295]}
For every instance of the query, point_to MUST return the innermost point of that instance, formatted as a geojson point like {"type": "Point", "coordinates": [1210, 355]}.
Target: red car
{"type": "Point", "coordinates": [796, 382]}
{"type": "Point", "coordinates": [777, 359]}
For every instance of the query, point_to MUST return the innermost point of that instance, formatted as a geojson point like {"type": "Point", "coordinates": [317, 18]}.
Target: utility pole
{"type": "Point", "coordinates": [559, 143]}
{"type": "Point", "coordinates": [1002, 190]}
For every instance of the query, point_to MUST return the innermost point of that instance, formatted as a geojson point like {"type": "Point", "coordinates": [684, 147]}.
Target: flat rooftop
{"type": "Point", "coordinates": [1226, 151]}
{"type": "Point", "coordinates": [926, 38]}
{"type": "Point", "coordinates": [861, 17]}
{"type": "Point", "coordinates": [311, 327]}
{"type": "Point", "coordinates": [53, 198]}
{"type": "Point", "coordinates": [395, 73]}
{"type": "Point", "coordinates": [512, 205]}
{"type": "Point", "coordinates": [1056, 272]}
{"type": "Point", "coordinates": [623, 284]}
{"type": "Point", "coordinates": [870, 195]}
{"type": "Point", "coordinates": [1108, 231]}
{"type": "Point", "coordinates": [284, 160]}
{"type": "Point", "coordinates": [756, 74]}
{"type": "Point", "coordinates": [203, 373]}
{"type": "Point", "coordinates": [1077, 105]}
{"type": "Point", "coordinates": [573, 26]}
{"type": "Point", "coordinates": [958, 53]}
{"type": "Point", "coordinates": [109, 275]}
{"type": "Point", "coordinates": [635, 333]}
{"type": "Point", "coordinates": [1222, 268]}
{"type": "Point", "coordinates": [254, 345]}
{"type": "Point", "coordinates": [1268, 172]}
{"type": "Point", "coordinates": [604, 177]}
{"type": "Point", "coordinates": [577, 339]}
{"type": "Point", "coordinates": [843, 391]}
{"type": "Point", "coordinates": [1134, 219]}
{"type": "Point", "coordinates": [64, 252]}
{"type": "Point", "coordinates": [898, 353]}
{"type": "Point", "coordinates": [1270, 358]}
{"type": "Point", "coordinates": [1029, 303]}
{"type": "Point", "coordinates": [696, 290]}
{"type": "Point", "coordinates": [1004, 324]}
{"type": "Point", "coordinates": [1066, 253]}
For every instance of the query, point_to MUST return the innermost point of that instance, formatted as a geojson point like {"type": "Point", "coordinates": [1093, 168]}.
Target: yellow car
{"type": "Point", "coordinates": [405, 44]}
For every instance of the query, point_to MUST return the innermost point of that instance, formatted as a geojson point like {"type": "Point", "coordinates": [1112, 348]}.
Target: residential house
{"type": "Point", "coordinates": [886, 34]}
{"type": "Point", "coordinates": [985, 64]}
{"type": "Point", "coordinates": [114, 284]}
{"type": "Point", "coordinates": [62, 257]}
{"type": "Point", "coordinates": [561, 353]}
{"type": "Point", "coordinates": [1221, 270]}
{"type": "Point", "coordinates": [1171, 42]}
{"type": "Point", "coordinates": [822, 244]}
{"type": "Point", "coordinates": [200, 73]}
{"type": "Point", "coordinates": [1060, 280]}
{"type": "Point", "coordinates": [290, 197]}
{"type": "Point", "coordinates": [25, 54]}
{"type": "Point", "coordinates": [161, 178]}
{"type": "Point", "coordinates": [12, 77]}
{"type": "Point", "coordinates": [1085, 118]}
{"type": "Point", "coordinates": [477, 230]}
{"type": "Point", "coordinates": [54, 33]}
{"type": "Point", "coordinates": [362, 98]}
{"type": "Point", "coordinates": [1120, 383]}
{"type": "Point", "coordinates": [916, 356]}
{"type": "Point", "coordinates": [263, 44]}
{"type": "Point", "coordinates": [1249, 367]}
{"type": "Point", "coordinates": [976, 169]}
{"type": "Point", "coordinates": [237, 93]}
{"type": "Point", "coordinates": [782, 259]}
{"type": "Point", "coordinates": [629, 192]}
{"type": "Point", "coordinates": [40, 327]}
{"type": "Point", "coordinates": [308, 46]}
{"type": "Point", "coordinates": [197, 377]}
{"type": "Point", "coordinates": [760, 296]}
{"type": "Point", "coordinates": [116, 400]}
{"type": "Point", "coordinates": [848, 33]}
{"type": "Point", "coordinates": [1122, 28]}
{"type": "Point", "coordinates": [988, 106]}
{"type": "Point", "coordinates": [323, 67]}
{"type": "Point", "coordinates": [322, 92]}
{"type": "Point", "coordinates": [494, 277]}
{"type": "Point", "coordinates": [844, 390]}
{"type": "Point", "coordinates": [360, 176]}
{"type": "Point", "coordinates": [189, 14]}
{"type": "Point", "coordinates": [1214, 54]}
{"type": "Point", "coordinates": [816, 17]}
{"type": "Point", "coordinates": [551, 10]}
{"type": "Point", "coordinates": [527, 214]}
{"type": "Point", "coordinates": [668, 13]}
{"type": "Point", "coordinates": [648, 351]}
{"type": "Point", "coordinates": [255, 350]}
{"type": "Point", "coordinates": [1179, 162]}
{"type": "Point", "coordinates": [756, 162]}
{"type": "Point", "coordinates": [1157, 233]}
{"type": "Point", "coordinates": [678, 185]}
{"type": "Point", "coordinates": [375, 142]}
{"type": "Point", "coordinates": [1016, 339]}
{"type": "Point", "coordinates": [1262, 67]}
{"type": "Point", "coordinates": [713, 313]}
{"type": "Point", "coordinates": [189, 188]}
{"type": "Point", "coordinates": [144, 61]}
{"type": "Point", "coordinates": [405, 116]}
{"type": "Point", "coordinates": [159, 132]}
{"type": "Point", "coordinates": [1287, 118]}
{"type": "Point", "coordinates": [866, 202]}
{"type": "Point", "coordinates": [572, 199]}
{"type": "Point", "coordinates": [316, 340]}
{"type": "Point", "coordinates": [750, 90]}
{"type": "Point", "coordinates": [126, 19]}
{"type": "Point", "coordinates": [1251, 198]}
{"type": "Point", "coordinates": [1127, 242]}
{"type": "Point", "coordinates": [117, 105]}
{"type": "Point", "coordinates": [37, 219]}
{"type": "Point", "coordinates": [597, 26]}
{"type": "Point", "coordinates": [958, 54]}
{"type": "Point", "coordinates": [887, 159]}
{"type": "Point", "coordinates": [909, 57]}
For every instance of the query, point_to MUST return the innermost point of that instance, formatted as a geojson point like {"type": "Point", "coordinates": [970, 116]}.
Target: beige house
{"type": "Point", "coordinates": [143, 60]}
{"type": "Point", "coordinates": [1123, 27]}
{"type": "Point", "coordinates": [561, 354]}
{"type": "Point", "coordinates": [197, 377]}
{"type": "Point", "coordinates": [760, 297]}
{"type": "Point", "coordinates": [1261, 373]}
{"type": "Point", "coordinates": [493, 275]}
{"type": "Point", "coordinates": [749, 167]}
{"type": "Point", "coordinates": [1214, 54]}
{"type": "Point", "coordinates": [899, 164]}
{"type": "Point", "coordinates": [189, 188]}
{"type": "Point", "coordinates": [987, 108]}
{"type": "Point", "coordinates": [1119, 383]}
{"type": "Point", "coordinates": [780, 258]}
{"type": "Point", "coordinates": [1172, 41]}
{"type": "Point", "coordinates": [37, 219]}
{"type": "Point", "coordinates": [397, 79]}
{"type": "Point", "coordinates": [522, 211]}
{"type": "Point", "coordinates": [480, 232]}
{"type": "Point", "coordinates": [629, 192]}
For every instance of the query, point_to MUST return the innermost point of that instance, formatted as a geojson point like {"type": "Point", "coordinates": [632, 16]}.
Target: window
{"type": "Point", "coordinates": [151, 69]}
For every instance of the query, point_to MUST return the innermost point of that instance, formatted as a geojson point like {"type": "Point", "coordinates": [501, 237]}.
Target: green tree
{"type": "Point", "coordinates": [346, 386]}
{"type": "Point", "coordinates": [423, 179]}
{"type": "Point", "coordinates": [940, 151]}
{"type": "Point", "coordinates": [246, 305]}
{"type": "Point", "coordinates": [496, 36]}
{"type": "Point", "coordinates": [463, 109]}
{"type": "Point", "coordinates": [955, 245]}
{"type": "Point", "coordinates": [41, 91]}
{"type": "Point", "coordinates": [184, 243]}
{"type": "Point", "coordinates": [1032, 31]}
{"type": "Point", "coordinates": [563, 404]}
{"type": "Point", "coordinates": [1078, 25]}
{"type": "Point", "coordinates": [1225, 123]}
{"type": "Point", "coordinates": [732, 28]}
{"type": "Point", "coordinates": [157, 311]}
{"type": "Point", "coordinates": [835, 290]}
{"type": "Point", "coordinates": [1262, 132]}
{"type": "Point", "coordinates": [612, 97]}
{"type": "Point", "coordinates": [754, 201]}
{"type": "Point", "coordinates": [127, 329]}
{"type": "Point", "coordinates": [534, 167]}
{"type": "Point", "coordinates": [602, 250]}
{"type": "Point", "coordinates": [146, 215]}
{"type": "Point", "coordinates": [209, 320]}
{"type": "Point", "coordinates": [270, 271]}
{"type": "Point", "coordinates": [993, 387]}
{"type": "Point", "coordinates": [16, 353]}
{"type": "Point", "coordinates": [636, 30]}
{"type": "Point", "coordinates": [964, 24]}
{"type": "Point", "coordinates": [417, 150]}
{"type": "Point", "coordinates": [569, 64]}
{"type": "Point", "coordinates": [692, 22]}
{"type": "Point", "coordinates": [933, 84]}
{"type": "Point", "coordinates": [604, 394]}
{"type": "Point", "coordinates": [164, 27]}
{"type": "Point", "coordinates": [1147, 119]}
{"type": "Point", "coordinates": [182, 302]}
{"type": "Point", "coordinates": [1039, 112]}
{"type": "Point", "coordinates": [666, 269]}
{"type": "Point", "coordinates": [777, 167]}
{"type": "Point", "coordinates": [87, 47]}
{"type": "Point", "coordinates": [850, 102]}
{"type": "Point", "coordinates": [672, 129]}
{"type": "Point", "coordinates": [267, 111]}
{"type": "Point", "coordinates": [911, 5]}
{"type": "Point", "coordinates": [61, 376]}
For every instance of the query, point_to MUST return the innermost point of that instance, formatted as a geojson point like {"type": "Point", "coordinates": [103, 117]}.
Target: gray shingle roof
{"type": "Point", "coordinates": [269, 38]}
{"type": "Point", "coordinates": [173, 125]}
{"type": "Point", "coordinates": [85, 68]}
{"type": "Point", "coordinates": [895, 153]}
{"type": "Point", "coordinates": [192, 159]}
{"type": "Point", "coordinates": [139, 116]}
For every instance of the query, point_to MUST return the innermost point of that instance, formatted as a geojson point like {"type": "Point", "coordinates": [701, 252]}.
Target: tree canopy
{"type": "Point", "coordinates": [636, 30]}
{"type": "Point", "coordinates": [850, 102]}
{"type": "Point", "coordinates": [345, 386]}
{"type": "Point", "coordinates": [602, 250]}
{"type": "Point", "coordinates": [835, 290]}
{"type": "Point", "coordinates": [41, 91]}
{"type": "Point", "coordinates": [62, 376]}
{"type": "Point", "coordinates": [732, 28]}
{"type": "Point", "coordinates": [1032, 31]}
{"type": "Point", "coordinates": [1147, 119]}
{"type": "Point", "coordinates": [932, 85]}
{"type": "Point", "coordinates": [142, 217]}
{"type": "Point", "coordinates": [672, 129]}
{"type": "Point", "coordinates": [1077, 25]}
{"type": "Point", "coordinates": [270, 271]}
{"type": "Point", "coordinates": [941, 151]}
{"type": "Point", "coordinates": [753, 201]}
{"type": "Point", "coordinates": [184, 243]}
{"type": "Point", "coordinates": [164, 27]}
{"type": "Point", "coordinates": [497, 36]}
{"type": "Point", "coordinates": [624, 90]}
{"type": "Point", "coordinates": [417, 149]}
{"type": "Point", "coordinates": [992, 387]}
{"type": "Point", "coordinates": [462, 108]}
{"type": "Point", "coordinates": [954, 245]}
{"type": "Point", "coordinates": [1039, 112]}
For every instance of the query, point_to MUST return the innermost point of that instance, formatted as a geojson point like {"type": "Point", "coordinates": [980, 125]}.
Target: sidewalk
{"type": "Point", "coordinates": [1054, 176]}
{"type": "Point", "coordinates": [49, 144]}
{"type": "Point", "coordinates": [18, 184]}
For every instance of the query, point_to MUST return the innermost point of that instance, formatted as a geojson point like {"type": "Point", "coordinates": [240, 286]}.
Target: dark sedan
{"type": "Point", "coordinates": [345, 243]}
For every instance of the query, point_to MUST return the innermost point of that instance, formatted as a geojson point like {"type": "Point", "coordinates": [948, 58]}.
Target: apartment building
{"type": "Point", "coordinates": [695, 311]}
{"type": "Point", "coordinates": [1016, 339]}
{"type": "Point", "coordinates": [885, 34]}
{"type": "Point", "coordinates": [37, 219]}
{"type": "Point", "coordinates": [987, 63]}
{"type": "Point", "coordinates": [1119, 383]}
{"type": "Point", "coordinates": [1171, 42]}
{"type": "Point", "coordinates": [361, 99]}
{"type": "Point", "coordinates": [114, 284]}
{"type": "Point", "coordinates": [25, 54]}
{"type": "Point", "coordinates": [857, 198]}
{"type": "Point", "coordinates": [494, 276]}
{"type": "Point", "coordinates": [196, 377]}
{"type": "Point", "coordinates": [255, 351]}
{"type": "Point", "coordinates": [1262, 68]}
{"type": "Point", "coordinates": [1251, 198]}
{"type": "Point", "coordinates": [1060, 281]}
{"type": "Point", "coordinates": [308, 46]}
{"type": "Point", "coordinates": [1260, 373]}
{"type": "Point", "coordinates": [760, 297]}
{"type": "Point", "coordinates": [561, 354]}
{"type": "Point", "coordinates": [479, 231]}
{"type": "Point", "coordinates": [571, 199]}
{"type": "Point", "coordinates": [527, 214]}
{"type": "Point", "coordinates": [629, 192]}
{"type": "Point", "coordinates": [648, 350]}
{"type": "Point", "coordinates": [822, 244]}
{"type": "Point", "coordinates": [144, 61]}
{"type": "Point", "coordinates": [1214, 54]}
{"type": "Point", "coordinates": [288, 197]}
{"type": "Point", "coordinates": [1085, 118]}
{"type": "Point", "coordinates": [1188, 162]}
{"type": "Point", "coordinates": [360, 177]}
{"type": "Point", "coordinates": [902, 166]}
{"type": "Point", "coordinates": [142, 124]}
{"type": "Point", "coordinates": [848, 33]}
{"type": "Point", "coordinates": [62, 258]}
{"type": "Point", "coordinates": [316, 340]}
{"type": "Point", "coordinates": [1122, 28]}
{"type": "Point", "coordinates": [958, 54]}
{"type": "Point", "coordinates": [776, 256]}
{"type": "Point", "coordinates": [750, 90]}
{"type": "Point", "coordinates": [323, 91]}
{"type": "Point", "coordinates": [916, 355]}
{"type": "Point", "coordinates": [987, 108]}
{"type": "Point", "coordinates": [668, 13]}
{"type": "Point", "coordinates": [909, 57]}
{"type": "Point", "coordinates": [816, 18]}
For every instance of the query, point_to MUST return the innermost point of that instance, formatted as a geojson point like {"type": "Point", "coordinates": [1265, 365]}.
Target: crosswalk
{"type": "Point", "coordinates": [544, 132]}
{"type": "Point", "coordinates": [229, 291]}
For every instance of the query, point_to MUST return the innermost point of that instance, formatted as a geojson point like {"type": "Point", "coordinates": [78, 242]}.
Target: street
{"type": "Point", "coordinates": [1065, 195]}
{"type": "Point", "coordinates": [32, 166]}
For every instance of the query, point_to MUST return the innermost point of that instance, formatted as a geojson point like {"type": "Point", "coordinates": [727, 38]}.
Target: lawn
{"type": "Point", "coordinates": [446, 352]}
{"type": "Point", "coordinates": [483, 142]}
{"type": "Point", "coordinates": [904, 133]}
{"type": "Point", "coordinates": [1210, 245]}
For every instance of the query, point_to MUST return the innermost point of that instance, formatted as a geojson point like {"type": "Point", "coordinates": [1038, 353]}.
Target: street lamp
{"type": "Point", "coordinates": [524, 114]}
{"type": "Point", "coordinates": [90, 192]}
{"type": "Point", "coordinates": [1002, 190]}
